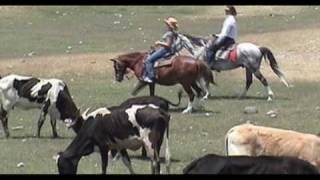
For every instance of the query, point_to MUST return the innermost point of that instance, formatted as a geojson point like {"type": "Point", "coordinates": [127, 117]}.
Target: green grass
{"type": "Point", "coordinates": [191, 135]}
{"type": "Point", "coordinates": [50, 30]}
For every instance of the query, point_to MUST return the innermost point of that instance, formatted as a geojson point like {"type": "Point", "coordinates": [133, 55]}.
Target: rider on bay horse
{"type": "Point", "coordinates": [227, 36]}
{"type": "Point", "coordinates": [166, 49]}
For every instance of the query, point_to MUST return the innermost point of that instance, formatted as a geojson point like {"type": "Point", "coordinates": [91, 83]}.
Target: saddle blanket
{"type": "Point", "coordinates": [229, 54]}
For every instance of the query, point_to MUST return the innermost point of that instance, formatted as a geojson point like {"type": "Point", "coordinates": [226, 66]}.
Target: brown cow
{"type": "Point", "coordinates": [252, 140]}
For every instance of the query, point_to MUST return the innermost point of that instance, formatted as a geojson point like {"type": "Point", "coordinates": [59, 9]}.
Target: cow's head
{"type": "Point", "coordinates": [76, 122]}
{"type": "Point", "coordinates": [120, 69]}
{"type": "Point", "coordinates": [66, 165]}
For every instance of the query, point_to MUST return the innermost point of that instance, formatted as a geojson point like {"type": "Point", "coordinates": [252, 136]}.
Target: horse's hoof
{"type": "Point", "coordinates": [269, 99]}
{"type": "Point", "coordinates": [186, 111]}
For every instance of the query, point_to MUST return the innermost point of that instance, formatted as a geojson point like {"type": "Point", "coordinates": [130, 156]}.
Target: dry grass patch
{"type": "Point", "coordinates": [60, 65]}
{"type": "Point", "coordinates": [296, 52]}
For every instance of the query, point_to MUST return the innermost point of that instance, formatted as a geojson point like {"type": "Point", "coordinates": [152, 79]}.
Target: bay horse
{"type": "Point", "coordinates": [184, 70]}
{"type": "Point", "coordinates": [249, 56]}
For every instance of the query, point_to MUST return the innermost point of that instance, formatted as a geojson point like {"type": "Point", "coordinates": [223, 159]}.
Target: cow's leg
{"type": "Point", "coordinates": [40, 122]}
{"type": "Point", "coordinates": [143, 152]}
{"type": "Point", "coordinates": [156, 155]}
{"type": "Point", "coordinates": [155, 139]}
{"type": "Point", "coordinates": [4, 121]}
{"type": "Point", "coordinates": [150, 151]}
{"type": "Point", "coordinates": [151, 88]}
{"type": "Point", "coordinates": [126, 160]}
{"type": "Point", "coordinates": [104, 150]}
{"type": "Point", "coordinates": [167, 154]}
{"type": "Point", "coordinates": [42, 117]}
{"type": "Point", "coordinates": [263, 80]}
{"type": "Point", "coordinates": [53, 122]}
{"type": "Point", "coordinates": [248, 82]}
{"type": "Point", "coordinates": [188, 89]}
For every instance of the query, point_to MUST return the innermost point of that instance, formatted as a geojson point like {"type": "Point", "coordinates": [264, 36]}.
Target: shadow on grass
{"type": "Point", "coordinates": [41, 137]}
{"type": "Point", "coordinates": [235, 97]}
{"type": "Point", "coordinates": [162, 159]}
{"type": "Point", "coordinates": [195, 111]}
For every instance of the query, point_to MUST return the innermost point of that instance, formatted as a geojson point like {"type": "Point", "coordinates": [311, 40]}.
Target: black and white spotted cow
{"type": "Point", "coordinates": [122, 129]}
{"type": "Point", "coordinates": [148, 100]}
{"type": "Point", "coordinates": [50, 95]}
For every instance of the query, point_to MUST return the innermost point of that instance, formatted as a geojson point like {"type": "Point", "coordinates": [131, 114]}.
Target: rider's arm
{"type": "Point", "coordinates": [168, 42]}
{"type": "Point", "coordinates": [165, 44]}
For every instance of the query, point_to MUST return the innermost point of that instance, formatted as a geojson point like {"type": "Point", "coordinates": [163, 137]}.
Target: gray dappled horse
{"type": "Point", "coordinates": [249, 56]}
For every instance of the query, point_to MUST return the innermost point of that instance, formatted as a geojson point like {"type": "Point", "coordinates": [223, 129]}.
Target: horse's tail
{"type": "Point", "coordinates": [206, 72]}
{"type": "Point", "coordinates": [266, 52]}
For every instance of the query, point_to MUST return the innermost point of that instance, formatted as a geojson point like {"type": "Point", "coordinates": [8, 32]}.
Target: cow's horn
{"type": "Point", "coordinates": [84, 114]}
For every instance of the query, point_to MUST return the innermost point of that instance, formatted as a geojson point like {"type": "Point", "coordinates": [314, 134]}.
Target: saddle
{"type": "Point", "coordinates": [227, 53]}
{"type": "Point", "coordinates": [165, 61]}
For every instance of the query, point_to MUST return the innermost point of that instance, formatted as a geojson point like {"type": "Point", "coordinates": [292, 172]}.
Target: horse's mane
{"type": "Point", "coordinates": [196, 40]}
{"type": "Point", "coordinates": [132, 55]}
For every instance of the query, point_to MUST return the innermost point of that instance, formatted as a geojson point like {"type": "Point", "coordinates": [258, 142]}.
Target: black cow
{"type": "Point", "coordinates": [155, 100]}
{"type": "Point", "coordinates": [50, 95]}
{"type": "Point", "coordinates": [215, 164]}
{"type": "Point", "coordinates": [123, 128]}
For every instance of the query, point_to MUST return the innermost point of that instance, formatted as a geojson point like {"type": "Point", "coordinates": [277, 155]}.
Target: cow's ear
{"type": "Point", "coordinates": [113, 60]}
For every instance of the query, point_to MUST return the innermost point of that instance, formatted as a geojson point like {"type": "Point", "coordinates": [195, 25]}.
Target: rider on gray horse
{"type": "Point", "coordinates": [227, 36]}
{"type": "Point", "coordinates": [166, 49]}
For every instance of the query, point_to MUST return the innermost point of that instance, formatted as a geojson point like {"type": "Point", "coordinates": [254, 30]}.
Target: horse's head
{"type": "Point", "coordinates": [119, 68]}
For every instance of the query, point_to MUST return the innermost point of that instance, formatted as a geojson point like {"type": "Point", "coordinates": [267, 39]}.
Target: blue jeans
{"type": "Point", "coordinates": [222, 41]}
{"type": "Point", "coordinates": [149, 63]}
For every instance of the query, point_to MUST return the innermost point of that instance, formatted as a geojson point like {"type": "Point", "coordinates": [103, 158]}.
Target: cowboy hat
{"type": "Point", "coordinates": [171, 22]}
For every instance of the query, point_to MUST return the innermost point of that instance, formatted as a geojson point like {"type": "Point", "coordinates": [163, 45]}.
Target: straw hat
{"type": "Point", "coordinates": [231, 9]}
{"type": "Point", "coordinates": [172, 22]}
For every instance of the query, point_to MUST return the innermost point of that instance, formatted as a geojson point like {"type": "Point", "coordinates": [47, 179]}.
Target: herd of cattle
{"type": "Point", "coordinates": [143, 122]}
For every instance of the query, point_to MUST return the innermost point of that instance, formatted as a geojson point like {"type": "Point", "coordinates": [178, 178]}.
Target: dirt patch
{"type": "Point", "coordinates": [217, 12]}
{"type": "Point", "coordinates": [296, 52]}
{"type": "Point", "coordinates": [60, 65]}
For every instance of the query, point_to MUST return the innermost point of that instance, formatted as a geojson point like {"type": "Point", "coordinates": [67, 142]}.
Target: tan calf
{"type": "Point", "coordinates": [252, 140]}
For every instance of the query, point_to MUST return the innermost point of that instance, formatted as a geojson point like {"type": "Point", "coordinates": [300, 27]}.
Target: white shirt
{"type": "Point", "coordinates": [229, 28]}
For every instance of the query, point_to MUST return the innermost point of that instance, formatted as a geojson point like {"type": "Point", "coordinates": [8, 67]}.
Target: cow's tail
{"type": "Point", "coordinates": [226, 144]}
{"type": "Point", "coordinates": [179, 100]}
{"type": "Point", "coordinates": [167, 153]}
{"type": "Point", "coordinates": [266, 52]}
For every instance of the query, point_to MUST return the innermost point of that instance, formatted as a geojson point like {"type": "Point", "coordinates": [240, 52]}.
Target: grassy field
{"type": "Point", "coordinates": [48, 31]}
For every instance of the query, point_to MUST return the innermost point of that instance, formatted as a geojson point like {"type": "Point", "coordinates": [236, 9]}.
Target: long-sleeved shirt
{"type": "Point", "coordinates": [229, 28]}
